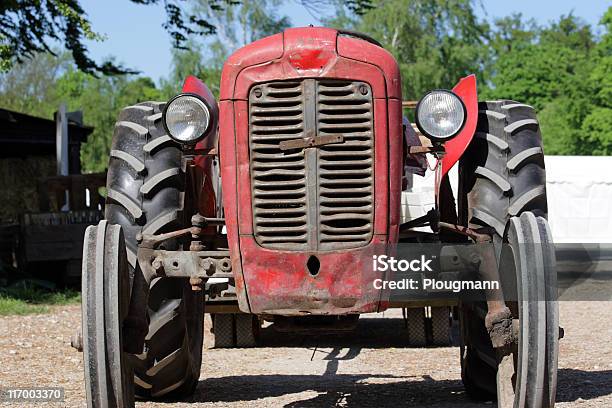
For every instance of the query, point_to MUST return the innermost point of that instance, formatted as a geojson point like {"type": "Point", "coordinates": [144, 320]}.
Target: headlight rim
{"type": "Point", "coordinates": [206, 131]}
{"type": "Point", "coordinates": [437, 138]}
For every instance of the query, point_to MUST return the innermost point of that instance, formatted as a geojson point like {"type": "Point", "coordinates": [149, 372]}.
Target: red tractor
{"type": "Point", "coordinates": [270, 204]}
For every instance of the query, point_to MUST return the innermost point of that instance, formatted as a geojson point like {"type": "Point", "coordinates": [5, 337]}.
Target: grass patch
{"type": "Point", "coordinates": [27, 297]}
{"type": "Point", "coordinates": [10, 306]}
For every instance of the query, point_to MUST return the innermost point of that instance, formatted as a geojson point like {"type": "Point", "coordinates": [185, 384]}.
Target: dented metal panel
{"type": "Point", "coordinates": [318, 195]}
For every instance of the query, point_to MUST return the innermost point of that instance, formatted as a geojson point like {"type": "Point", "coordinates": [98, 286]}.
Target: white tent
{"type": "Point", "coordinates": [579, 192]}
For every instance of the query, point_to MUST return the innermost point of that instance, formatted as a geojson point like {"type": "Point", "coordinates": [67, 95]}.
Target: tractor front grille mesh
{"type": "Point", "coordinates": [315, 198]}
{"type": "Point", "coordinates": [278, 178]}
{"type": "Point", "coordinates": [345, 169]}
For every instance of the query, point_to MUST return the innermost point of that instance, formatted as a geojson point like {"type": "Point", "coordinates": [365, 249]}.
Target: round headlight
{"type": "Point", "coordinates": [186, 118]}
{"type": "Point", "coordinates": [440, 115]}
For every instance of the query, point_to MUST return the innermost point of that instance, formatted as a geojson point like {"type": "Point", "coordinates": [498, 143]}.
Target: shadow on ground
{"type": "Point", "coordinates": [586, 385]}
{"type": "Point", "coordinates": [371, 332]}
{"type": "Point", "coordinates": [366, 390]}
{"type": "Point", "coordinates": [337, 390]}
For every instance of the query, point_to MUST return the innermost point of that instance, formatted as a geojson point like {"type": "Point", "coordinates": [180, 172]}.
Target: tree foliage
{"type": "Point", "coordinates": [239, 24]}
{"type": "Point", "coordinates": [565, 73]}
{"type": "Point", "coordinates": [434, 41]}
{"type": "Point", "coordinates": [563, 69]}
{"type": "Point", "coordinates": [597, 126]}
{"type": "Point", "coordinates": [40, 86]}
{"type": "Point", "coordinates": [27, 27]}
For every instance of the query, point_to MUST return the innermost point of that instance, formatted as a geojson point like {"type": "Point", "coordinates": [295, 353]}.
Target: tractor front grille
{"type": "Point", "coordinates": [313, 198]}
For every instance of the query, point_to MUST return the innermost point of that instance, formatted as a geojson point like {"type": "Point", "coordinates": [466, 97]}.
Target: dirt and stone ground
{"type": "Point", "coordinates": [368, 368]}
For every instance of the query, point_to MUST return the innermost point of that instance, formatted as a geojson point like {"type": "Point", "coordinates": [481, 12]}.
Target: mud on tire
{"type": "Point", "coordinates": [501, 175]}
{"type": "Point", "coordinates": [145, 194]}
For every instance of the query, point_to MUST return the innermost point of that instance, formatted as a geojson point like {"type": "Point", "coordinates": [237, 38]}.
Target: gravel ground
{"type": "Point", "coordinates": [369, 368]}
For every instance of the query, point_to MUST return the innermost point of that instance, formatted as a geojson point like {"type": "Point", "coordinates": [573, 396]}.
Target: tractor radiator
{"type": "Point", "coordinates": [312, 198]}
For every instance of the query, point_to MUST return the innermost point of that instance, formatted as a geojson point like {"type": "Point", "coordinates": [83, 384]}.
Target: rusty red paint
{"type": "Point", "coordinates": [194, 85]}
{"type": "Point", "coordinates": [258, 52]}
{"type": "Point", "coordinates": [309, 59]}
{"type": "Point", "coordinates": [230, 205]}
{"type": "Point", "coordinates": [396, 168]}
{"type": "Point", "coordinates": [466, 90]}
{"type": "Point", "coordinates": [278, 281]}
{"type": "Point", "coordinates": [359, 50]}
{"type": "Point", "coordinates": [271, 281]}
{"type": "Point", "coordinates": [310, 54]}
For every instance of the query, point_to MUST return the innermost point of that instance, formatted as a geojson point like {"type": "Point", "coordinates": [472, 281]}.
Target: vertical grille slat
{"type": "Point", "coordinates": [318, 198]}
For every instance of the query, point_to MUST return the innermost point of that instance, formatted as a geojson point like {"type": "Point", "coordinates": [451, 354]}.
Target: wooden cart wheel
{"type": "Point", "coordinates": [223, 330]}
{"type": "Point", "coordinates": [109, 381]}
{"type": "Point", "coordinates": [415, 320]}
{"type": "Point", "coordinates": [440, 326]}
{"type": "Point", "coordinates": [247, 330]}
{"type": "Point", "coordinates": [233, 330]}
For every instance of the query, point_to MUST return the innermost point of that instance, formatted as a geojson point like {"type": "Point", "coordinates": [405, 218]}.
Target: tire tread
{"type": "Point", "coordinates": [145, 195]}
{"type": "Point", "coordinates": [502, 176]}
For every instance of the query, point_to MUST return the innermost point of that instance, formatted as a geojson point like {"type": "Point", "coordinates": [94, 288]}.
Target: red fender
{"type": "Point", "coordinates": [466, 90]}
{"type": "Point", "coordinates": [194, 85]}
{"type": "Point", "coordinates": [207, 200]}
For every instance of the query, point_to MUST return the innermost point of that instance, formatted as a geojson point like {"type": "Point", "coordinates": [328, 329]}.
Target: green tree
{"type": "Point", "coordinates": [238, 26]}
{"type": "Point", "coordinates": [38, 88]}
{"type": "Point", "coordinates": [191, 61]}
{"type": "Point", "coordinates": [245, 22]}
{"type": "Point", "coordinates": [561, 71]}
{"type": "Point", "coordinates": [434, 41]}
{"type": "Point", "coordinates": [29, 87]}
{"type": "Point", "coordinates": [596, 134]}
{"type": "Point", "coordinates": [101, 99]}
{"type": "Point", "coordinates": [27, 27]}
{"type": "Point", "coordinates": [511, 32]}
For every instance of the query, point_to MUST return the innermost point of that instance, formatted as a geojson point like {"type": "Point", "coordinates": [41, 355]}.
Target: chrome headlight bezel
{"type": "Point", "coordinates": [427, 132]}
{"type": "Point", "coordinates": [198, 134]}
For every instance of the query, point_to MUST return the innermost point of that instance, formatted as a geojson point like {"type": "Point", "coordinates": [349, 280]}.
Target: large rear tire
{"type": "Point", "coordinates": [502, 171]}
{"type": "Point", "coordinates": [145, 194]}
{"type": "Point", "coordinates": [502, 175]}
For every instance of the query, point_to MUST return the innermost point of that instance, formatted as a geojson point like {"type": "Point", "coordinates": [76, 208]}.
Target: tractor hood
{"type": "Point", "coordinates": [307, 52]}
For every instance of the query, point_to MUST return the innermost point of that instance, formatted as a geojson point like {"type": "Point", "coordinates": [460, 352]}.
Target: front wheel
{"type": "Point", "coordinates": [523, 374]}
{"type": "Point", "coordinates": [109, 379]}
{"type": "Point", "coordinates": [527, 372]}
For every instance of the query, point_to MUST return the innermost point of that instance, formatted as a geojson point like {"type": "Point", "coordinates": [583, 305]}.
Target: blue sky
{"type": "Point", "coordinates": [135, 36]}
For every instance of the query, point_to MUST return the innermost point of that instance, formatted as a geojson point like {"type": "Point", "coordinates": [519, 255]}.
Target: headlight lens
{"type": "Point", "coordinates": [187, 118]}
{"type": "Point", "coordinates": [440, 115]}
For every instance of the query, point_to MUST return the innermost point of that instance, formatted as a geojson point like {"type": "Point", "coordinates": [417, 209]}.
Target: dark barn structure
{"type": "Point", "coordinates": [28, 155]}
{"type": "Point", "coordinates": [37, 235]}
